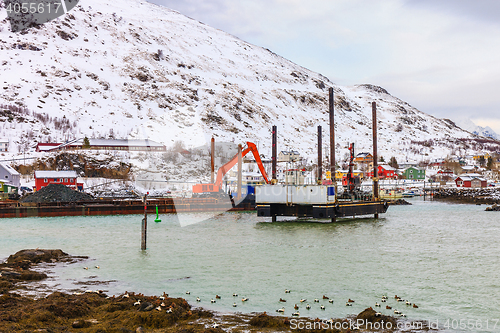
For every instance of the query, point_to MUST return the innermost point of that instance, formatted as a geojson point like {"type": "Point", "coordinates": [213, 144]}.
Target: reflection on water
{"type": "Point", "coordinates": [444, 257]}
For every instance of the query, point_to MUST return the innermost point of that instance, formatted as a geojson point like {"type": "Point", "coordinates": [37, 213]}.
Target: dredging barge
{"type": "Point", "coordinates": [321, 201]}
{"type": "Point", "coordinates": [317, 201]}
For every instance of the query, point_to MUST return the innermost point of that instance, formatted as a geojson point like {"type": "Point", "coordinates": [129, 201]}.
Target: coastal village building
{"type": "Point", "coordinates": [444, 174]}
{"type": "Point", "coordinates": [438, 163]}
{"type": "Point", "coordinates": [413, 173]}
{"type": "Point", "coordinates": [341, 173]}
{"type": "Point", "coordinates": [469, 169]}
{"type": "Point", "coordinates": [404, 165]}
{"type": "Point", "coordinates": [478, 157]}
{"type": "Point", "coordinates": [288, 156]}
{"type": "Point", "coordinates": [48, 146]}
{"type": "Point", "coordinates": [9, 175]}
{"type": "Point", "coordinates": [104, 144]}
{"type": "Point", "coordinates": [4, 145]}
{"type": "Point", "coordinates": [6, 189]}
{"type": "Point", "coordinates": [364, 161]}
{"type": "Point", "coordinates": [363, 158]}
{"type": "Point", "coordinates": [385, 171]}
{"type": "Point", "coordinates": [471, 180]}
{"type": "Point", "coordinates": [68, 178]}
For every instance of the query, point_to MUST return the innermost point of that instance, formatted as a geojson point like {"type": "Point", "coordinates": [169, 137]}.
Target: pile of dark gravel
{"type": "Point", "coordinates": [57, 193]}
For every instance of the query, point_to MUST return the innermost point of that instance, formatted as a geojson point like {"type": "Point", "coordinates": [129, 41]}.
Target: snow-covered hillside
{"type": "Point", "coordinates": [133, 69]}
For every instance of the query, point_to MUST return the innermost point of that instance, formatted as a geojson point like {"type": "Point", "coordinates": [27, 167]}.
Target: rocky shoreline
{"type": "Point", "coordinates": [398, 202]}
{"type": "Point", "coordinates": [487, 196]}
{"type": "Point", "coordinates": [94, 311]}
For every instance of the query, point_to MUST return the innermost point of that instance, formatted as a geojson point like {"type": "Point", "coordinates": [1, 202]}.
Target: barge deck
{"type": "Point", "coordinates": [120, 207]}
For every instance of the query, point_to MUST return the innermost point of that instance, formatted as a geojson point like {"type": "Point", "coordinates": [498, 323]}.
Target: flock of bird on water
{"type": "Point", "coordinates": [322, 307]}
{"type": "Point", "coordinates": [296, 307]}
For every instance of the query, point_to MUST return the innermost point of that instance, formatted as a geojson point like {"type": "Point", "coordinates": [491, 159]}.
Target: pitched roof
{"type": "Point", "coordinates": [9, 169]}
{"type": "Point", "coordinates": [55, 174]}
{"type": "Point", "coordinates": [471, 177]}
{"type": "Point", "coordinates": [386, 167]}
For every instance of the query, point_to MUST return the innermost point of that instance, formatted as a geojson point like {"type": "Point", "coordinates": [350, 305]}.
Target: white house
{"type": "Point", "coordinates": [288, 156]}
{"type": "Point", "coordinates": [9, 175]}
{"type": "Point", "coordinates": [4, 145]}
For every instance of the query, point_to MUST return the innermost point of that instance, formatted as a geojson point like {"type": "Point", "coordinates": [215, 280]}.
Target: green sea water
{"type": "Point", "coordinates": [443, 257]}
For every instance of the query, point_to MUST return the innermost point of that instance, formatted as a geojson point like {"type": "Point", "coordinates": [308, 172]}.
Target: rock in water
{"type": "Point", "coordinates": [35, 256]}
{"type": "Point", "coordinates": [494, 208]}
{"type": "Point", "coordinates": [370, 316]}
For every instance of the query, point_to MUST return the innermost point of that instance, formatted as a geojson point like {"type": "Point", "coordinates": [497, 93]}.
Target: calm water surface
{"type": "Point", "coordinates": [443, 257]}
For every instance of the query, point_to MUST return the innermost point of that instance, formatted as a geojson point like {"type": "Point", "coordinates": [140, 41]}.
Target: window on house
{"type": "Point", "coordinates": [6, 177]}
{"type": "Point", "coordinates": [45, 180]}
{"type": "Point", "coordinates": [65, 180]}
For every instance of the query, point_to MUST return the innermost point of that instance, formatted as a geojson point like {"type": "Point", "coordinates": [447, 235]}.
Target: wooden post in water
{"type": "Point", "coordinates": [320, 157]}
{"type": "Point", "coordinates": [144, 223]}
{"type": "Point", "coordinates": [375, 155]}
{"type": "Point", "coordinates": [240, 166]}
{"type": "Point", "coordinates": [212, 154]}
{"type": "Point", "coordinates": [332, 143]}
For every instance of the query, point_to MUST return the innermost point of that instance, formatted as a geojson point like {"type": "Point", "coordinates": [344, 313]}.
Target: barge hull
{"type": "Point", "coordinates": [119, 207]}
{"type": "Point", "coordinates": [351, 209]}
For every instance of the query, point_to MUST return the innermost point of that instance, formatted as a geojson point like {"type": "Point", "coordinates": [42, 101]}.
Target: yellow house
{"type": "Point", "coordinates": [341, 173]}
{"type": "Point", "coordinates": [486, 156]}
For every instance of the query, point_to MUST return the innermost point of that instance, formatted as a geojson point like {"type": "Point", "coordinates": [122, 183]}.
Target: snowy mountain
{"type": "Point", "coordinates": [486, 132]}
{"type": "Point", "coordinates": [131, 69]}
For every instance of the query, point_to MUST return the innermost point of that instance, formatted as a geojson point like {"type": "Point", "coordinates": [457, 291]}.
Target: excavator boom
{"type": "Point", "coordinates": [217, 185]}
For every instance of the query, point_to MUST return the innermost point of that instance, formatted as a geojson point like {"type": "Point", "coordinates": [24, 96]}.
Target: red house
{"type": "Point", "coordinates": [68, 178]}
{"type": "Point", "coordinates": [46, 146]}
{"type": "Point", "coordinates": [470, 180]}
{"type": "Point", "coordinates": [385, 171]}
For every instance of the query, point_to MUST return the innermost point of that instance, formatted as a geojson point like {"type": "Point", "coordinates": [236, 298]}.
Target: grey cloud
{"type": "Point", "coordinates": [480, 10]}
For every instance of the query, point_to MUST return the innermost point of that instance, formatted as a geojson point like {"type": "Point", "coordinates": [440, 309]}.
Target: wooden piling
{"type": "Point", "coordinates": [212, 158]}
{"type": "Point", "coordinates": [320, 157]}
{"type": "Point", "coordinates": [332, 142]}
{"type": "Point", "coordinates": [144, 223]}
{"type": "Point", "coordinates": [274, 153]}
{"type": "Point", "coordinates": [375, 155]}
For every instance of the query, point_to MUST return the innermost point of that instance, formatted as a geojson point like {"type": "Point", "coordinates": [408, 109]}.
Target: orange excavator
{"type": "Point", "coordinates": [216, 187]}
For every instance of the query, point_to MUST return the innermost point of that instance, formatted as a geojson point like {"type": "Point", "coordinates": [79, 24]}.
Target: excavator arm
{"type": "Point", "coordinates": [226, 167]}
{"type": "Point", "coordinates": [217, 186]}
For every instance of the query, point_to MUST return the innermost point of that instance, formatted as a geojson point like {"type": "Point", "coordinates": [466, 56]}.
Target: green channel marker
{"type": "Point", "coordinates": [157, 219]}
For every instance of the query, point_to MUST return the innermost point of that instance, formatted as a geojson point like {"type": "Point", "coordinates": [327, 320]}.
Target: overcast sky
{"type": "Point", "coordinates": [441, 56]}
